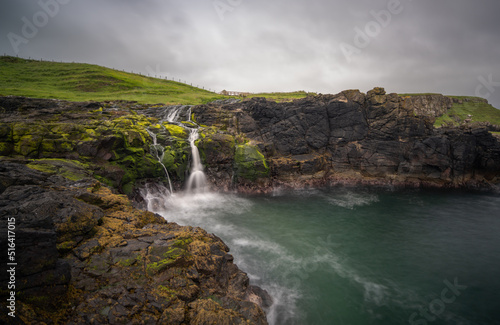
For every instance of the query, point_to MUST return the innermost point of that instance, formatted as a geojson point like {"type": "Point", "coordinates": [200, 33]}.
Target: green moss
{"type": "Point", "coordinates": [175, 159]}
{"type": "Point", "coordinates": [28, 145]}
{"type": "Point", "coordinates": [161, 257]}
{"type": "Point", "coordinates": [156, 267]}
{"type": "Point", "coordinates": [106, 181]}
{"type": "Point", "coordinates": [128, 188]}
{"type": "Point", "coordinates": [216, 147]}
{"type": "Point", "coordinates": [250, 163]}
{"type": "Point", "coordinates": [70, 169]}
{"type": "Point", "coordinates": [45, 168]}
{"type": "Point", "coordinates": [176, 131]}
{"type": "Point", "coordinates": [91, 132]}
{"type": "Point", "coordinates": [136, 151]}
{"type": "Point", "coordinates": [127, 262]}
{"type": "Point", "coordinates": [215, 299]}
{"type": "Point", "coordinates": [183, 242]}
{"type": "Point", "coordinates": [168, 157]}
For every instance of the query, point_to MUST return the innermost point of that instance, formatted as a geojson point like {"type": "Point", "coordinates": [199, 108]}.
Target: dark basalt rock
{"type": "Point", "coordinates": [373, 137]}
{"type": "Point", "coordinates": [85, 256]}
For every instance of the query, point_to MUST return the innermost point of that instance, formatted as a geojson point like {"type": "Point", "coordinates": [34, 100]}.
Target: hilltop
{"type": "Point", "coordinates": [89, 82]}
{"type": "Point", "coordinates": [85, 82]}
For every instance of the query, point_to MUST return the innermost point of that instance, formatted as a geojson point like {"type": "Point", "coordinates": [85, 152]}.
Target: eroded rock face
{"type": "Point", "coordinates": [256, 144]}
{"type": "Point", "coordinates": [86, 256]}
{"type": "Point", "coordinates": [374, 137]}
{"type": "Point", "coordinates": [432, 105]}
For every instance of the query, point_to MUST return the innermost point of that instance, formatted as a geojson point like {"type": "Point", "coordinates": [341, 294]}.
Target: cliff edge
{"type": "Point", "coordinates": [355, 137]}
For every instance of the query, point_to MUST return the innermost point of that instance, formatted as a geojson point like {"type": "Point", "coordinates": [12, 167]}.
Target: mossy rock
{"type": "Point", "coordinates": [28, 145]}
{"type": "Point", "coordinates": [175, 159]}
{"type": "Point", "coordinates": [250, 163]}
{"type": "Point", "coordinates": [217, 148]}
{"type": "Point", "coordinates": [70, 169]}
{"type": "Point", "coordinates": [176, 131]}
{"type": "Point", "coordinates": [162, 257]}
{"type": "Point", "coordinates": [138, 167]}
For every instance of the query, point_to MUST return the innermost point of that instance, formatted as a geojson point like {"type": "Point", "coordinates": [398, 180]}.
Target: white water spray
{"type": "Point", "coordinates": [197, 180]}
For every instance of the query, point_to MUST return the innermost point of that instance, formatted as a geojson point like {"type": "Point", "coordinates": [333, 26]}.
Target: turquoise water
{"type": "Point", "coordinates": [360, 256]}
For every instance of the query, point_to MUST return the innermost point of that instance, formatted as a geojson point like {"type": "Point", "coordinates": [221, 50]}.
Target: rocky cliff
{"type": "Point", "coordinates": [432, 105]}
{"type": "Point", "coordinates": [254, 144]}
{"type": "Point", "coordinates": [85, 256]}
{"type": "Point", "coordinates": [356, 137]}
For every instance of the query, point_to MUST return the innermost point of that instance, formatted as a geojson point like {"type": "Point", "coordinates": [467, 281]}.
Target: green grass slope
{"type": "Point", "coordinates": [480, 111]}
{"type": "Point", "coordinates": [83, 82]}
{"type": "Point", "coordinates": [464, 106]}
{"type": "Point", "coordinates": [283, 97]}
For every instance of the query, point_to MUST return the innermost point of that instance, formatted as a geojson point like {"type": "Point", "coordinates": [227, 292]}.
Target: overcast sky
{"type": "Point", "coordinates": [443, 46]}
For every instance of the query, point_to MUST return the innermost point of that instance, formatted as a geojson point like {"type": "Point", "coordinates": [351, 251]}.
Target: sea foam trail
{"type": "Point", "coordinates": [350, 199]}
{"type": "Point", "coordinates": [215, 213]}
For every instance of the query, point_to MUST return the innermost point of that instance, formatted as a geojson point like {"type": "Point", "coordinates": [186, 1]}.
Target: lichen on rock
{"type": "Point", "coordinates": [97, 259]}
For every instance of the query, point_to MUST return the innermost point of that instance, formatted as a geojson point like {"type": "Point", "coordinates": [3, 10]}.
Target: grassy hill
{"type": "Point", "coordinates": [82, 82]}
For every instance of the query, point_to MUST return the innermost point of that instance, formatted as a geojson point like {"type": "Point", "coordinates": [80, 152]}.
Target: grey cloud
{"type": "Point", "coordinates": [439, 46]}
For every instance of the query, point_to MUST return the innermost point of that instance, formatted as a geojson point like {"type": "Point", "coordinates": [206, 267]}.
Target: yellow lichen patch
{"type": "Point", "coordinates": [113, 222]}
{"type": "Point", "coordinates": [114, 241]}
{"type": "Point", "coordinates": [146, 218]}
{"type": "Point", "coordinates": [113, 201]}
{"type": "Point", "coordinates": [199, 248]}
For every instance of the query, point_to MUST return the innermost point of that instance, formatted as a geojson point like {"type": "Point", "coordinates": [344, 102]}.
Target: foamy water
{"type": "Point", "coordinates": [355, 256]}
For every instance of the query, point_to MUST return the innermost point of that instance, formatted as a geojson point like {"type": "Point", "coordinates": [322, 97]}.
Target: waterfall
{"type": "Point", "coordinates": [196, 182]}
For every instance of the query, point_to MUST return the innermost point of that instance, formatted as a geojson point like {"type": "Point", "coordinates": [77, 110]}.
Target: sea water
{"type": "Point", "coordinates": [358, 255]}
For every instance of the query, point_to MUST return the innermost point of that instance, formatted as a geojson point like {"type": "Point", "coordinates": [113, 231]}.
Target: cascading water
{"type": "Point", "coordinates": [196, 182]}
